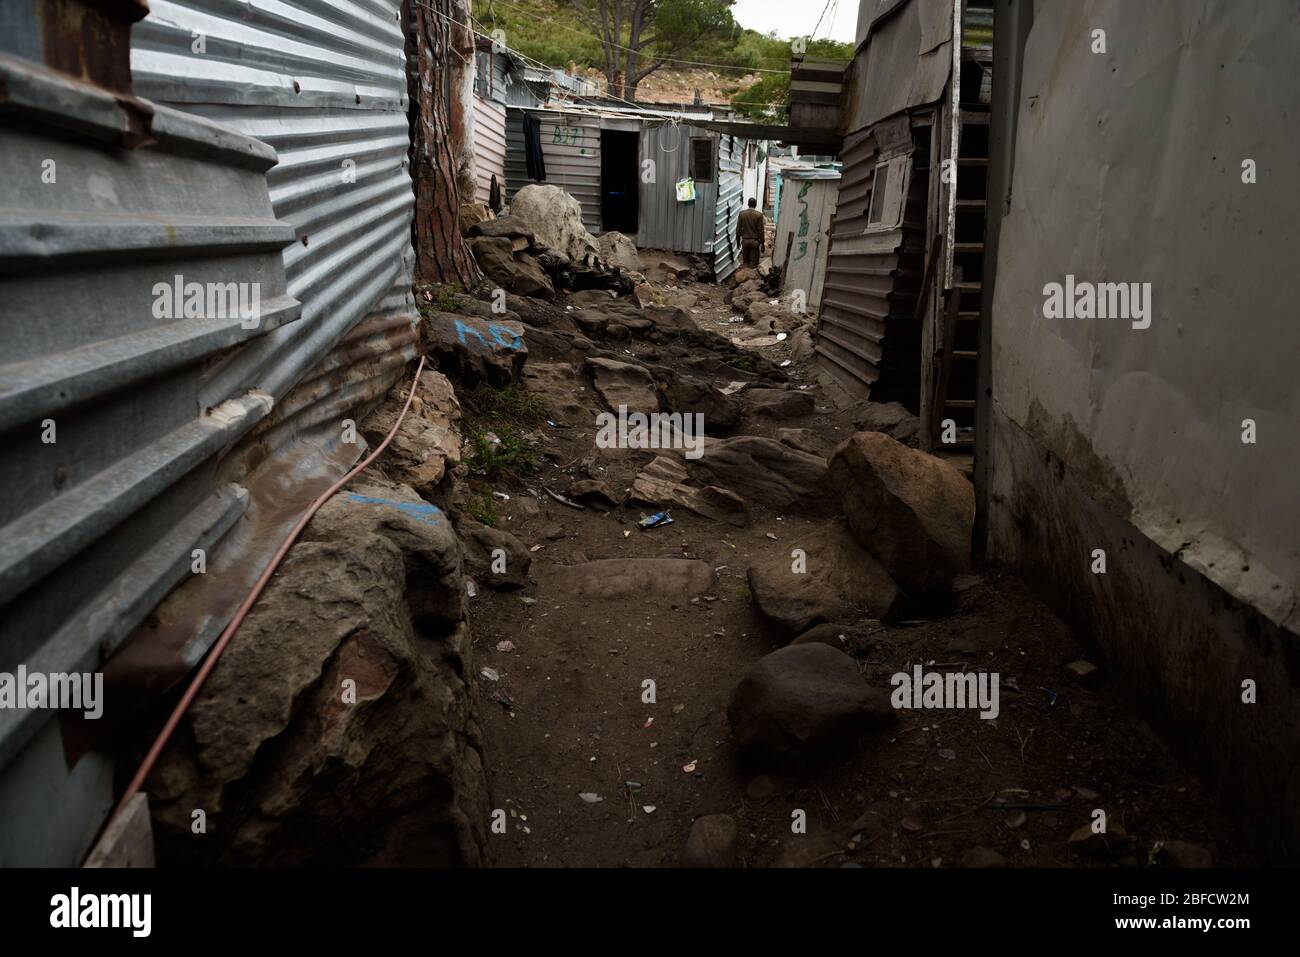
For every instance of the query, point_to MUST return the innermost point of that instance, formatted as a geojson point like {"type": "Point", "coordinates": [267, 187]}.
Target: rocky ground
{"type": "Point", "coordinates": [494, 648]}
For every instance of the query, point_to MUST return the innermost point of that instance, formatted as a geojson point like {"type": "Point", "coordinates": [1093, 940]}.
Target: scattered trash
{"type": "Point", "coordinates": [648, 808]}
{"type": "Point", "coordinates": [1082, 669]}
{"type": "Point", "coordinates": [733, 387]}
{"type": "Point", "coordinates": [1051, 695]}
{"type": "Point", "coordinates": [627, 532]}
{"type": "Point", "coordinates": [528, 601]}
{"type": "Point", "coordinates": [590, 798]}
{"type": "Point", "coordinates": [562, 500]}
{"type": "Point", "coordinates": [782, 336]}
{"type": "Point", "coordinates": [632, 786]}
{"type": "Point", "coordinates": [501, 495]}
{"type": "Point", "coordinates": [786, 362]}
{"type": "Point", "coordinates": [689, 768]}
{"type": "Point", "coordinates": [506, 646]}
{"type": "Point", "coordinates": [491, 674]}
{"type": "Point", "coordinates": [470, 588]}
{"type": "Point", "coordinates": [655, 520]}
{"type": "Point", "coordinates": [771, 536]}
{"type": "Point", "coordinates": [648, 722]}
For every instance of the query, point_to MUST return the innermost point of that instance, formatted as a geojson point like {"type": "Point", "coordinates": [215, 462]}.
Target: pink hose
{"type": "Point", "coordinates": [245, 607]}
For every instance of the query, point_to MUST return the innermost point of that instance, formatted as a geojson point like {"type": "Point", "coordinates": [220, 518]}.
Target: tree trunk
{"type": "Point", "coordinates": [460, 105]}
{"type": "Point", "coordinates": [441, 254]}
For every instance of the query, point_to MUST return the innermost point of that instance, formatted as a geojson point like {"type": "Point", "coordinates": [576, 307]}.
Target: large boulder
{"type": "Point", "coordinates": [511, 269]}
{"type": "Point", "coordinates": [496, 257]}
{"type": "Point", "coordinates": [473, 350]}
{"type": "Point", "coordinates": [617, 250]}
{"type": "Point", "coordinates": [623, 384]}
{"type": "Point", "coordinates": [530, 279]}
{"type": "Point", "coordinates": [555, 219]}
{"type": "Point", "coordinates": [765, 471]}
{"type": "Point", "coordinates": [802, 702]}
{"type": "Point", "coordinates": [687, 394]}
{"type": "Point", "coordinates": [338, 729]}
{"type": "Point", "coordinates": [892, 418]}
{"type": "Point", "coordinates": [835, 580]}
{"type": "Point", "coordinates": [911, 510]}
{"type": "Point", "coordinates": [663, 483]}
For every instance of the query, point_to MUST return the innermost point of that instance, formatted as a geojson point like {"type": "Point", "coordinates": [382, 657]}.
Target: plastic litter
{"type": "Point", "coordinates": [655, 520]}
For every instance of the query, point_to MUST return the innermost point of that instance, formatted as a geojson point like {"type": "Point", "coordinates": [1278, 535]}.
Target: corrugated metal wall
{"type": "Point", "coordinates": [489, 147]}
{"type": "Point", "coordinates": [143, 472]}
{"type": "Point", "coordinates": [804, 227]}
{"type": "Point", "coordinates": [571, 151]}
{"type": "Point", "coordinates": [726, 211]}
{"type": "Point", "coordinates": [666, 223]}
{"type": "Point", "coordinates": [113, 408]}
{"type": "Point", "coordinates": [868, 339]}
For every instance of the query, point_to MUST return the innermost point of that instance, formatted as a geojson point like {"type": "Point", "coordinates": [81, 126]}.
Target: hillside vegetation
{"type": "Point", "coordinates": [550, 32]}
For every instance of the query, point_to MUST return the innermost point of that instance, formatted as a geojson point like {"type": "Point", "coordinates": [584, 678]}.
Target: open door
{"type": "Point", "coordinates": [620, 160]}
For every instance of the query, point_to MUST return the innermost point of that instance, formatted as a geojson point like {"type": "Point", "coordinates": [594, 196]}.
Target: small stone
{"type": "Point", "coordinates": [711, 843]}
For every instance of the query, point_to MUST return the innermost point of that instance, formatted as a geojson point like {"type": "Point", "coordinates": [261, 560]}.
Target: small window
{"type": "Point", "coordinates": [702, 160]}
{"type": "Point", "coordinates": [888, 189]}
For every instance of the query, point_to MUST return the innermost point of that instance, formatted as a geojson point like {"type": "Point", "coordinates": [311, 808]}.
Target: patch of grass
{"type": "Point", "coordinates": [482, 509]}
{"type": "Point", "coordinates": [509, 454]}
{"type": "Point", "coordinates": [509, 405]}
{"type": "Point", "coordinates": [744, 363]}
{"type": "Point", "coordinates": [446, 298]}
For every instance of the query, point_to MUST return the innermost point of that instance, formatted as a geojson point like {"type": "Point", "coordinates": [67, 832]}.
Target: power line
{"type": "Point", "coordinates": [618, 46]}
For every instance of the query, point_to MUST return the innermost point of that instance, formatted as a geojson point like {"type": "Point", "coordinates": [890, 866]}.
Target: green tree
{"type": "Point", "coordinates": [640, 36]}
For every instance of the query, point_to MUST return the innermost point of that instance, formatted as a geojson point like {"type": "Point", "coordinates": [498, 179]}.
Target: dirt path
{"type": "Point", "coordinates": [566, 715]}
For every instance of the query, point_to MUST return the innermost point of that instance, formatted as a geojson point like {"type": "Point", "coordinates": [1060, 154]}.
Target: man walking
{"type": "Point", "coordinates": [749, 234]}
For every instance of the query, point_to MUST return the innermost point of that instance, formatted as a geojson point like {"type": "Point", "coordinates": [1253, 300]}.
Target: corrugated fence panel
{"type": "Point", "coordinates": [730, 200]}
{"type": "Point", "coordinates": [803, 229]}
{"type": "Point", "coordinates": [489, 147]}
{"type": "Point", "coordinates": [571, 152]}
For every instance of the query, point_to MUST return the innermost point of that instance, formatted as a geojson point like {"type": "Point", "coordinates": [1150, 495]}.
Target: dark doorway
{"type": "Point", "coordinates": [620, 162]}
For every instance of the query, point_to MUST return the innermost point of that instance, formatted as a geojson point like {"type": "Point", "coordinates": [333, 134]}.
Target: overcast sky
{"type": "Point", "coordinates": [793, 18]}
